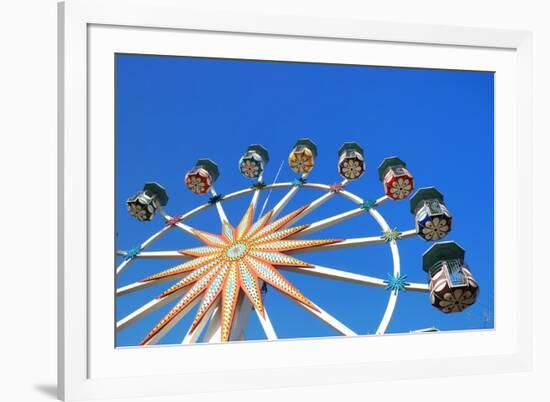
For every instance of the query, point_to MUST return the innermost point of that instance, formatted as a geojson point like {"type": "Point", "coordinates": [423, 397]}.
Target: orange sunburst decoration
{"type": "Point", "coordinates": [235, 262]}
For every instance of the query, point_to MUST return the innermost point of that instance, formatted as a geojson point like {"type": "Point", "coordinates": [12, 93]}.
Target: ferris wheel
{"type": "Point", "coordinates": [228, 275]}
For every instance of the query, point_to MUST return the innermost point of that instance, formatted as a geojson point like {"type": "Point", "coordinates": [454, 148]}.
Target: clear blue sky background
{"type": "Point", "coordinates": [172, 111]}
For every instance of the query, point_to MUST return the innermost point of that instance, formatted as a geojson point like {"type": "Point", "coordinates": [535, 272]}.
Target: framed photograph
{"type": "Point", "coordinates": [254, 201]}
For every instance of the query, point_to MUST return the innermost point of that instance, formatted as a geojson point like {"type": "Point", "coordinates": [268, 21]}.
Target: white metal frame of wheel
{"type": "Point", "coordinates": [212, 321]}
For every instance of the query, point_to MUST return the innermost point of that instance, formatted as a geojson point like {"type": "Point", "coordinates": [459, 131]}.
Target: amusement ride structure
{"type": "Point", "coordinates": [228, 275]}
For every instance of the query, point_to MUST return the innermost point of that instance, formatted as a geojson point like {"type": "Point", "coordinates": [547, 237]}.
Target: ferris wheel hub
{"type": "Point", "coordinates": [236, 251]}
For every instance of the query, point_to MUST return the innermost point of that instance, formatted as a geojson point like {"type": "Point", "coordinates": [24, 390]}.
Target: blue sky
{"type": "Point", "coordinates": [171, 111]}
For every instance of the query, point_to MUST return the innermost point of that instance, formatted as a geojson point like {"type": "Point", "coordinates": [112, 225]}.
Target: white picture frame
{"type": "Point", "coordinates": [90, 368]}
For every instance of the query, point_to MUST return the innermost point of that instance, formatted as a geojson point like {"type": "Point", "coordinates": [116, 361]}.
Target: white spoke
{"type": "Point", "coordinates": [245, 191]}
{"type": "Point", "coordinates": [355, 242]}
{"type": "Point", "coordinates": [179, 224]}
{"type": "Point", "coordinates": [266, 325]}
{"type": "Point", "coordinates": [142, 246]}
{"type": "Point", "coordinates": [191, 337]}
{"type": "Point", "coordinates": [418, 287]}
{"type": "Point", "coordinates": [315, 204]}
{"type": "Point", "coordinates": [275, 186]}
{"type": "Point", "coordinates": [350, 277]}
{"type": "Point", "coordinates": [132, 287]}
{"type": "Point", "coordinates": [286, 199]}
{"type": "Point", "coordinates": [158, 336]}
{"type": "Point", "coordinates": [408, 233]}
{"type": "Point", "coordinates": [214, 331]}
{"type": "Point", "coordinates": [324, 223]}
{"type": "Point", "coordinates": [382, 200]}
{"type": "Point", "coordinates": [221, 212]}
{"type": "Point", "coordinates": [326, 318]}
{"type": "Point", "coordinates": [283, 202]}
{"type": "Point", "coordinates": [146, 309]}
{"type": "Point", "coordinates": [333, 220]}
{"type": "Point", "coordinates": [242, 313]}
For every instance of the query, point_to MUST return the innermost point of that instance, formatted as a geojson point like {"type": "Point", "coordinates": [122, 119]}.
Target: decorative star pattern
{"type": "Point", "coordinates": [215, 199]}
{"type": "Point", "coordinates": [391, 235]}
{"type": "Point", "coordinates": [232, 264]}
{"type": "Point", "coordinates": [132, 253]}
{"type": "Point", "coordinates": [173, 220]}
{"type": "Point", "coordinates": [299, 182]}
{"type": "Point", "coordinates": [368, 205]}
{"type": "Point", "coordinates": [336, 187]}
{"type": "Point", "coordinates": [396, 283]}
{"type": "Point", "coordinates": [260, 185]}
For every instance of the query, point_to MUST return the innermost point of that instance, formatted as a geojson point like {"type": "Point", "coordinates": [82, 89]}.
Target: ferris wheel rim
{"type": "Point", "coordinates": [376, 215]}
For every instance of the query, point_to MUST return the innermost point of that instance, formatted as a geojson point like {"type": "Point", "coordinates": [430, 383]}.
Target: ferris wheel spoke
{"type": "Point", "coordinates": [156, 254]}
{"type": "Point", "coordinates": [242, 314]}
{"type": "Point", "coordinates": [331, 273]}
{"type": "Point", "coordinates": [418, 287]}
{"type": "Point", "coordinates": [139, 285]}
{"type": "Point", "coordinates": [203, 207]}
{"type": "Point", "coordinates": [146, 309]}
{"type": "Point", "coordinates": [330, 221]}
{"type": "Point", "coordinates": [355, 242]}
{"type": "Point", "coordinates": [235, 194]}
{"type": "Point", "coordinates": [219, 207]}
{"type": "Point", "coordinates": [214, 331]}
{"type": "Point", "coordinates": [272, 186]}
{"type": "Point", "coordinates": [193, 336]}
{"type": "Point", "coordinates": [286, 199]}
{"type": "Point", "coordinates": [144, 284]}
{"type": "Point", "coordinates": [153, 340]}
{"type": "Point", "coordinates": [325, 317]}
{"type": "Point", "coordinates": [347, 243]}
{"type": "Point", "coordinates": [316, 204]}
{"type": "Point", "coordinates": [177, 222]}
{"type": "Point", "coordinates": [335, 219]}
{"type": "Point", "coordinates": [122, 266]}
{"type": "Point", "coordinates": [265, 322]}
